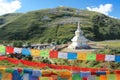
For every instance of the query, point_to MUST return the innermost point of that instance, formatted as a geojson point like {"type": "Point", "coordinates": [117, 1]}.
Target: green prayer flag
{"type": "Point", "coordinates": [76, 77]}
{"type": "Point", "coordinates": [44, 78]}
{"type": "Point", "coordinates": [0, 76]}
{"type": "Point", "coordinates": [91, 57]}
{"type": "Point", "coordinates": [9, 70]}
{"type": "Point", "coordinates": [97, 78]}
{"type": "Point", "coordinates": [44, 53]}
{"type": "Point", "coordinates": [111, 77]}
{"type": "Point", "coordinates": [59, 78]}
{"type": "Point", "coordinates": [2, 49]}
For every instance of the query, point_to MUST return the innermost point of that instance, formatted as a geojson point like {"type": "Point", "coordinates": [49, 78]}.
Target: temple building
{"type": "Point", "coordinates": [79, 41]}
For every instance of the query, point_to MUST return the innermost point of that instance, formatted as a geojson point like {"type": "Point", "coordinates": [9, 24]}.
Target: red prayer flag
{"type": "Point", "coordinates": [117, 71]}
{"type": "Point", "coordinates": [85, 69]}
{"type": "Point", "coordinates": [84, 78]}
{"type": "Point", "coordinates": [20, 70]}
{"type": "Point", "coordinates": [100, 57]}
{"type": "Point", "coordinates": [67, 67]}
{"type": "Point", "coordinates": [9, 50]}
{"type": "Point", "coordinates": [53, 54]}
{"type": "Point", "coordinates": [14, 61]}
{"type": "Point", "coordinates": [93, 71]}
{"type": "Point", "coordinates": [74, 68]}
{"type": "Point", "coordinates": [57, 67]}
{"type": "Point", "coordinates": [2, 57]}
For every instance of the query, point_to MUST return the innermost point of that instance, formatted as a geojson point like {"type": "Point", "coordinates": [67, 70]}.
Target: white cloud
{"type": "Point", "coordinates": [114, 17]}
{"type": "Point", "coordinates": [105, 9]}
{"type": "Point", "coordinates": [9, 7]}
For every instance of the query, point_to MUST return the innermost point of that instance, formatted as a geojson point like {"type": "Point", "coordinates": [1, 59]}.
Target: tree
{"type": "Point", "coordinates": [49, 40]}
{"type": "Point", "coordinates": [17, 43]}
{"type": "Point", "coordinates": [64, 41]}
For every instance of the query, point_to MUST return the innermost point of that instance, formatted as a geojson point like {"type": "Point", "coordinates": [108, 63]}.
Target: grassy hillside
{"type": "Point", "coordinates": [59, 24]}
{"type": "Point", "coordinates": [8, 18]}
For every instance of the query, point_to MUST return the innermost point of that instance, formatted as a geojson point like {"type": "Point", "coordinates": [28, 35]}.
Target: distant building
{"type": "Point", "coordinates": [40, 46]}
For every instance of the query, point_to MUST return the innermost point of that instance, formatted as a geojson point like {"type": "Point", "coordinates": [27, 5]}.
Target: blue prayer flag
{"type": "Point", "coordinates": [117, 58]}
{"type": "Point", "coordinates": [72, 55]}
{"type": "Point", "coordinates": [26, 51]}
{"type": "Point", "coordinates": [100, 73]}
{"type": "Point", "coordinates": [85, 74]}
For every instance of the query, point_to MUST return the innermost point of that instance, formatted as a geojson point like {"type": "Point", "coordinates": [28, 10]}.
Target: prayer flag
{"type": "Point", "coordinates": [44, 53]}
{"type": "Point", "coordinates": [9, 50]}
{"type": "Point", "coordinates": [76, 77]}
{"type": "Point", "coordinates": [103, 77]}
{"type": "Point", "coordinates": [92, 77]}
{"type": "Point", "coordinates": [17, 50]}
{"type": "Point", "coordinates": [98, 73]}
{"type": "Point", "coordinates": [72, 55]}
{"type": "Point", "coordinates": [0, 75]}
{"type": "Point", "coordinates": [9, 70]}
{"type": "Point", "coordinates": [44, 78]}
{"type": "Point", "coordinates": [74, 68]}
{"type": "Point", "coordinates": [25, 76]}
{"type": "Point", "coordinates": [65, 74]}
{"type": "Point", "coordinates": [35, 52]}
{"type": "Point", "coordinates": [91, 56]}
{"type": "Point", "coordinates": [111, 77]}
{"type": "Point", "coordinates": [53, 54]}
{"type": "Point", "coordinates": [33, 77]}
{"type": "Point", "coordinates": [85, 74]}
{"type": "Point", "coordinates": [97, 78]}
{"type": "Point", "coordinates": [6, 76]}
{"type": "Point", "coordinates": [2, 50]}
{"type": "Point", "coordinates": [109, 57]}
{"type": "Point", "coordinates": [26, 51]}
{"type": "Point", "coordinates": [36, 73]}
{"type": "Point", "coordinates": [62, 55]}
{"type": "Point", "coordinates": [117, 76]}
{"type": "Point", "coordinates": [54, 77]}
{"type": "Point", "coordinates": [100, 57]}
{"type": "Point", "coordinates": [16, 75]}
{"type": "Point", "coordinates": [117, 58]}
{"type": "Point", "coordinates": [59, 78]}
{"type": "Point", "coordinates": [84, 78]}
{"type": "Point", "coordinates": [81, 56]}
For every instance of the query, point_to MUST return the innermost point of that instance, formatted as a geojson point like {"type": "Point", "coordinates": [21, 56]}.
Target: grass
{"type": "Point", "coordinates": [111, 43]}
{"type": "Point", "coordinates": [87, 64]}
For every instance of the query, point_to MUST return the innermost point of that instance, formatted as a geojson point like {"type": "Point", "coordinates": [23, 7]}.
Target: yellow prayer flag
{"type": "Point", "coordinates": [6, 76]}
{"type": "Point", "coordinates": [65, 74]}
{"type": "Point", "coordinates": [44, 72]}
{"type": "Point", "coordinates": [70, 78]}
{"type": "Point", "coordinates": [35, 52]}
{"type": "Point", "coordinates": [81, 56]}
{"type": "Point", "coordinates": [2, 68]}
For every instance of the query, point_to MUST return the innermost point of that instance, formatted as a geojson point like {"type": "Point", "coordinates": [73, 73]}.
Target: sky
{"type": "Point", "coordinates": [107, 7]}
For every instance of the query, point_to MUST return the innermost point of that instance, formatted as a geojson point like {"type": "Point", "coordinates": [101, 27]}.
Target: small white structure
{"type": "Point", "coordinates": [78, 41]}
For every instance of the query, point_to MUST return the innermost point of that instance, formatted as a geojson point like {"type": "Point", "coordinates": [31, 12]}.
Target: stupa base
{"type": "Point", "coordinates": [79, 47]}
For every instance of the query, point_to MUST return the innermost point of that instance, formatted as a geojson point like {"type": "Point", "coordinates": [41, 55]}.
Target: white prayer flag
{"type": "Point", "coordinates": [17, 50]}
{"type": "Point", "coordinates": [62, 55]}
{"type": "Point", "coordinates": [109, 57]}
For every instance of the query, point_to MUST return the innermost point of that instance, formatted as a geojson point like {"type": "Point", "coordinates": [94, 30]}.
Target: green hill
{"type": "Point", "coordinates": [58, 24]}
{"type": "Point", "coordinates": [8, 18]}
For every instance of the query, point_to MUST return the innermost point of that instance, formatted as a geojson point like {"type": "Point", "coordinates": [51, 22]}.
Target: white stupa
{"type": "Point", "coordinates": [78, 41]}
